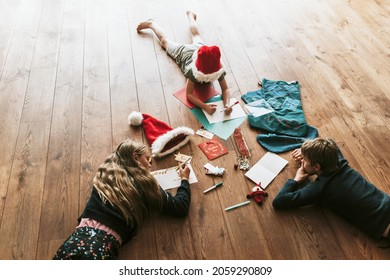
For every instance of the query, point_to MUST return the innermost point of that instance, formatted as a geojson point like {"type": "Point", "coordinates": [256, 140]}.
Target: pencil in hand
{"type": "Point", "coordinates": [235, 103]}
{"type": "Point", "coordinates": [183, 164]}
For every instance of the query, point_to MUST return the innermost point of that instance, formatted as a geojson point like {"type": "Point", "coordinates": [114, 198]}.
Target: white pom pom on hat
{"type": "Point", "coordinates": [135, 118]}
{"type": "Point", "coordinates": [162, 138]}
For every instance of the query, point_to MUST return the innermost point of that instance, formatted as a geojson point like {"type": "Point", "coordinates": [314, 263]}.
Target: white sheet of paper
{"type": "Point", "coordinates": [169, 178]}
{"type": "Point", "coordinates": [259, 107]}
{"type": "Point", "coordinates": [266, 169]}
{"type": "Point", "coordinates": [219, 116]}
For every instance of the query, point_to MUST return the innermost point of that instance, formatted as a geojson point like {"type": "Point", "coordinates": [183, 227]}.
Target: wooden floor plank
{"type": "Point", "coordinates": [25, 194]}
{"type": "Point", "coordinates": [121, 65]}
{"type": "Point", "coordinates": [28, 172]}
{"type": "Point", "coordinates": [13, 85]}
{"type": "Point", "coordinates": [96, 111]}
{"type": "Point", "coordinates": [62, 181]}
{"type": "Point", "coordinates": [9, 15]}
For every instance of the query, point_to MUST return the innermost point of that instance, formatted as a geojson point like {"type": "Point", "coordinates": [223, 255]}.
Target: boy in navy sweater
{"type": "Point", "coordinates": [337, 187]}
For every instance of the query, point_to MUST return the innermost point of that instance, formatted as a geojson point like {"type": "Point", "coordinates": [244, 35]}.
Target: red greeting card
{"type": "Point", "coordinates": [213, 148]}
{"type": "Point", "coordinates": [203, 92]}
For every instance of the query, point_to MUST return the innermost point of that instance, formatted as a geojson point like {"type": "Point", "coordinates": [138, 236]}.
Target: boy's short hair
{"type": "Point", "coordinates": [321, 151]}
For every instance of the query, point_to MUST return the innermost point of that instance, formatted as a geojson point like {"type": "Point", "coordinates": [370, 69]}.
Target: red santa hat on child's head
{"type": "Point", "coordinates": [207, 65]}
{"type": "Point", "coordinates": [162, 138]}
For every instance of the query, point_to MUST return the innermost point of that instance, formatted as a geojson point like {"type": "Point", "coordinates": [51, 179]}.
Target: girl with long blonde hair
{"type": "Point", "coordinates": [124, 195]}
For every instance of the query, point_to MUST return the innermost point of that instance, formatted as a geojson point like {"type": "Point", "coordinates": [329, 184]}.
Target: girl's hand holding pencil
{"type": "Point", "coordinates": [183, 164]}
{"type": "Point", "coordinates": [184, 170]}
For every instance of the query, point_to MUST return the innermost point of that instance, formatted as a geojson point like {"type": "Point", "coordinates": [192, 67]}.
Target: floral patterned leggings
{"type": "Point", "coordinates": [88, 243]}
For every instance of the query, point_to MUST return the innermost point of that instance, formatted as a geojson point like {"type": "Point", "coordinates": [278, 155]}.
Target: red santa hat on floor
{"type": "Point", "coordinates": [162, 138]}
{"type": "Point", "coordinates": [207, 65]}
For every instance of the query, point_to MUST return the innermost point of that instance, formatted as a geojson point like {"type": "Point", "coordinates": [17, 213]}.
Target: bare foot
{"type": "Point", "coordinates": [191, 14]}
{"type": "Point", "coordinates": [144, 25]}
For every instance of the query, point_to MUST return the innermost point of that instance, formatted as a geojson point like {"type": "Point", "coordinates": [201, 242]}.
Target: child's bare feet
{"type": "Point", "coordinates": [144, 25]}
{"type": "Point", "coordinates": [191, 14]}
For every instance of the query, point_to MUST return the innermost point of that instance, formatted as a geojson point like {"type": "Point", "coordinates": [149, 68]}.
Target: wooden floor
{"type": "Point", "coordinates": [71, 72]}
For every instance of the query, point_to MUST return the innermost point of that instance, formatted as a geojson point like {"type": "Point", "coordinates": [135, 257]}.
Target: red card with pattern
{"type": "Point", "coordinates": [203, 92]}
{"type": "Point", "coordinates": [213, 148]}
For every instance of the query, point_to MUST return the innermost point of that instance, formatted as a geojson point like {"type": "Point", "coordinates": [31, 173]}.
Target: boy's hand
{"type": "Point", "coordinates": [210, 108]}
{"type": "Point", "coordinates": [301, 175]}
{"type": "Point", "coordinates": [297, 155]}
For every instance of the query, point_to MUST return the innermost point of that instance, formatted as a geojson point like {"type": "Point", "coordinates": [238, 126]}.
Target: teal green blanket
{"type": "Point", "coordinates": [286, 125]}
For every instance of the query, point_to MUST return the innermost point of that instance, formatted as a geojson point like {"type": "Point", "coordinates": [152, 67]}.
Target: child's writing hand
{"type": "Point", "coordinates": [210, 108]}
{"type": "Point", "coordinates": [184, 172]}
{"type": "Point", "coordinates": [228, 110]}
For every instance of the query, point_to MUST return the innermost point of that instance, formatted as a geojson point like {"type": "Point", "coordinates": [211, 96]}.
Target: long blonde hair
{"type": "Point", "coordinates": [122, 182]}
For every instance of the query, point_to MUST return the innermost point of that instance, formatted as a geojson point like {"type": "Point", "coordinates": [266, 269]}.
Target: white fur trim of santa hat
{"type": "Point", "coordinates": [159, 144]}
{"type": "Point", "coordinates": [159, 134]}
{"type": "Point", "coordinates": [202, 77]}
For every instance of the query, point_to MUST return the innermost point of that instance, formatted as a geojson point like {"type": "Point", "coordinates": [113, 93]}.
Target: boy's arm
{"type": "Point", "coordinates": [209, 108]}
{"type": "Point", "coordinates": [294, 195]}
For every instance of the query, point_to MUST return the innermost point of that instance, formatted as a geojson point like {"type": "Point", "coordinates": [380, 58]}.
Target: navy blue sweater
{"type": "Point", "coordinates": [105, 213]}
{"type": "Point", "coordinates": [345, 192]}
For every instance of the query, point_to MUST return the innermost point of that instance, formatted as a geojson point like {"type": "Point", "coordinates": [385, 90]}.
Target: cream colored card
{"type": "Point", "coordinates": [266, 169]}
{"type": "Point", "coordinates": [169, 178]}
